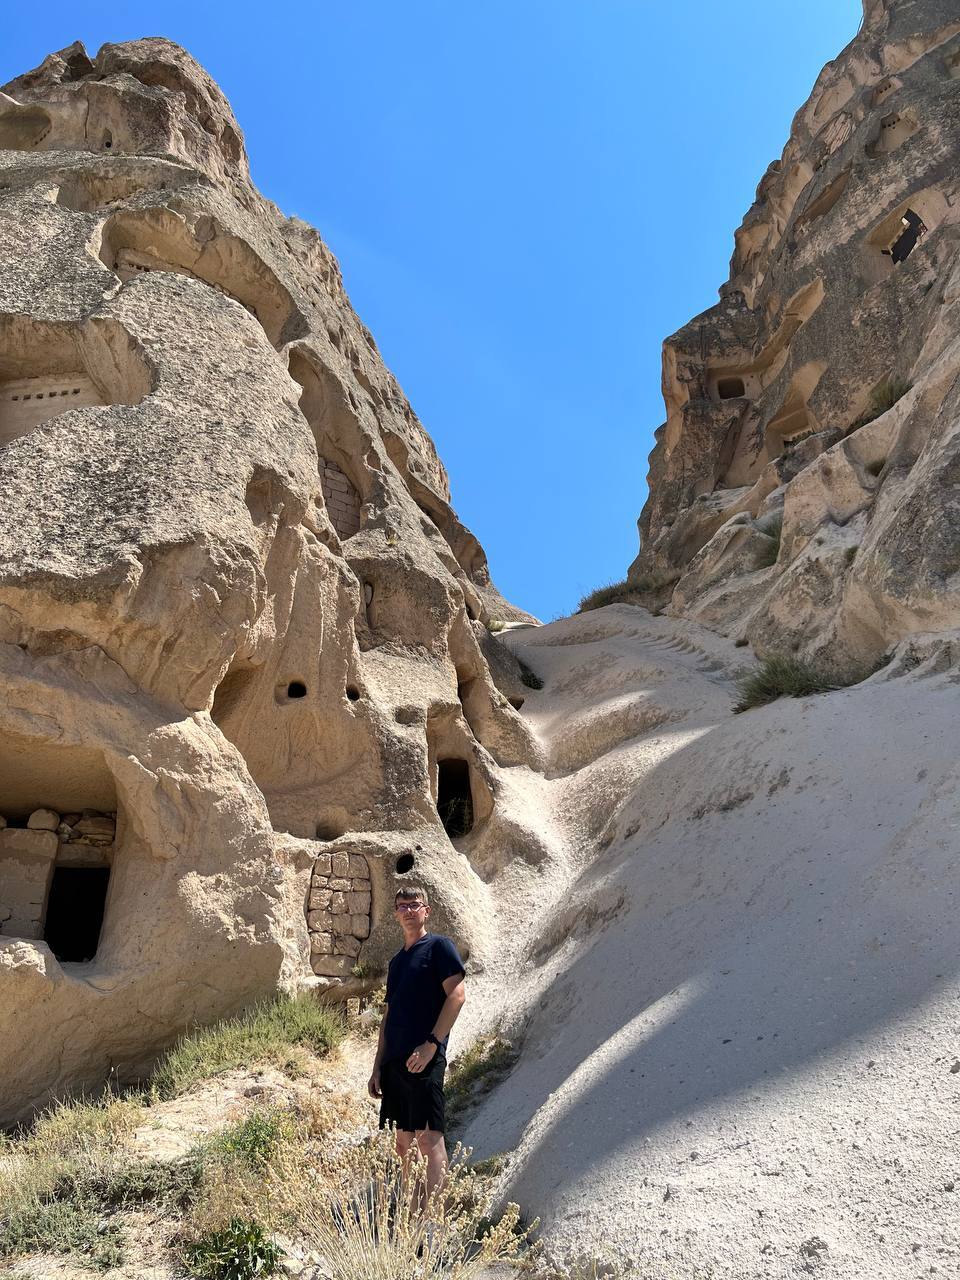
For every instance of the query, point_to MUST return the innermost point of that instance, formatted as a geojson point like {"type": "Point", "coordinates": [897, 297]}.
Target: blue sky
{"type": "Point", "coordinates": [526, 197]}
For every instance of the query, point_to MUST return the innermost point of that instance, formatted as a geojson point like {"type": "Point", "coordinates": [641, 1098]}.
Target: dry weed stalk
{"type": "Point", "coordinates": [360, 1211]}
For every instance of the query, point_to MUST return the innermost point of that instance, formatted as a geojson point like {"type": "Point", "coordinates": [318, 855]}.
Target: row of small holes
{"type": "Point", "coordinates": [50, 395]}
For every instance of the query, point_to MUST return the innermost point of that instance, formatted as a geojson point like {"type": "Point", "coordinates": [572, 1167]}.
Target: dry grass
{"type": "Point", "coordinates": [270, 1032]}
{"type": "Point", "coordinates": [883, 397]}
{"type": "Point", "coordinates": [366, 1216]}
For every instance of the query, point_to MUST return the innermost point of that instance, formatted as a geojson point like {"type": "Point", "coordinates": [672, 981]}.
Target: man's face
{"type": "Point", "coordinates": [411, 912]}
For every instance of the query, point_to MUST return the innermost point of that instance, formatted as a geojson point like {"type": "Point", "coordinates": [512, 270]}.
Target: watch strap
{"type": "Point", "coordinates": [432, 1039]}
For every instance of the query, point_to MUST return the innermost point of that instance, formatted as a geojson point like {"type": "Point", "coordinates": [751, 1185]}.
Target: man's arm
{"type": "Point", "coordinates": [373, 1084]}
{"type": "Point", "coordinates": [456, 993]}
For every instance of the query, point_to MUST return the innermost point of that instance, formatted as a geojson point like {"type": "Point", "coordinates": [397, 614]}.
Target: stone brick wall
{"type": "Point", "coordinates": [26, 869]}
{"type": "Point", "coordinates": [338, 914]}
{"type": "Point", "coordinates": [28, 856]}
{"type": "Point", "coordinates": [342, 499]}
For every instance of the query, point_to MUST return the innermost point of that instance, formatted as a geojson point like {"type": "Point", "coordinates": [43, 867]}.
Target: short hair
{"type": "Point", "coordinates": [412, 891]}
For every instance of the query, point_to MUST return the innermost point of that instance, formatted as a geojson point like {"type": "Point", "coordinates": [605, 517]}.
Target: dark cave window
{"type": "Point", "coordinates": [454, 797]}
{"type": "Point", "coordinates": [730, 388]}
{"type": "Point", "coordinates": [405, 863]}
{"type": "Point", "coordinates": [296, 689]}
{"type": "Point", "coordinates": [75, 908]}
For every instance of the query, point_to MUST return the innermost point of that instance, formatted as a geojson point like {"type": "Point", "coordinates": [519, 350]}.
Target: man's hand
{"type": "Point", "coordinates": [373, 1084]}
{"type": "Point", "coordinates": [421, 1057]}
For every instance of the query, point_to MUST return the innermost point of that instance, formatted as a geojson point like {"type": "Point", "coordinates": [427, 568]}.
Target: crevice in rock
{"type": "Point", "coordinates": [336, 434]}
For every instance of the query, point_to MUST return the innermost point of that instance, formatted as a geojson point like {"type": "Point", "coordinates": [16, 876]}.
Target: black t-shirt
{"type": "Point", "coordinates": [415, 993]}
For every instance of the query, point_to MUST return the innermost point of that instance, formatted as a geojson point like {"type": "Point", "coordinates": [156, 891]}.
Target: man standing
{"type": "Point", "coordinates": [425, 993]}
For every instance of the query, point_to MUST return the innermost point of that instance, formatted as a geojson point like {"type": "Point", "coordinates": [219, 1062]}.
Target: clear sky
{"type": "Point", "coordinates": [526, 197]}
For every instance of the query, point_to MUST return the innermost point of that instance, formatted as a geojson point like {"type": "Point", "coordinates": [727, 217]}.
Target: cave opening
{"type": "Point", "coordinates": [454, 797]}
{"type": "Point", "coordinates": [730, 388]}
{"type": "Point", "coordinates": [75, 908]}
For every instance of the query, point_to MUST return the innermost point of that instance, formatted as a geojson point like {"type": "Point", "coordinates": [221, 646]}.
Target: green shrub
{"type": "Point", "coordinates": [169, 1184]}
{"type": "Point", "coordinates": [265, 1033]}
{"type": "Point", "coordinates": [883, 397]}
{"type": "Point", "coordinates": [241, 1251]}
{"type": "Point", "coordinates": [255, 1138]}
{"type": "Point", "coordinates": [782, 677]}
{"type": "Point", "coordinates": [73, 1227]}
{"type": "Point", "coordinates": [495, 625]}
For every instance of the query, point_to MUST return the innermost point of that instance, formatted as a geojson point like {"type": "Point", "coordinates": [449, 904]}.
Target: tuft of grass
{"type": "Point", "coordinates": [266, 1033]}
{"type": "Point", "coordinates": [241, 1251]}
{"type": "Point", "coordinates": [610, 593]}
{"type": "Point", "coordinates": [495, 625]}
{"type": "Point", "coordinates": [883, 397]}
{"type": "Point", "coordinates": [488, 1061]}
{"type": "Point", "coordinates": [528, 676]}
{"type": "Point", "coordinates": [782, 677]}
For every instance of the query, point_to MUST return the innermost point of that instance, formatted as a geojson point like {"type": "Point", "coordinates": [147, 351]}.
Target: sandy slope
{"type": "Point", "coordinates": [734, 964]}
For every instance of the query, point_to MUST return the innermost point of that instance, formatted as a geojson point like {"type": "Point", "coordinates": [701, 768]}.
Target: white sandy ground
{"type": "Point", "coordinates": [732, 962]}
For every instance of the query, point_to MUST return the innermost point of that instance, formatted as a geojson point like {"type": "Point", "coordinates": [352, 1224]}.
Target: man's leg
{"type": "Point", "coordinates": [405, 1140]}
{"type": "Point", "coordinates": [434, 1151]}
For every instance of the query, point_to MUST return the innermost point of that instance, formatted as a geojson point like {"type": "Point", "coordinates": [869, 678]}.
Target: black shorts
{"type": "Point", "coordinates": [413, 1101]}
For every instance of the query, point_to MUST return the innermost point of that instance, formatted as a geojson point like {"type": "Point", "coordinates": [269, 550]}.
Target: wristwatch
{"type": "Point", "coordinates": [432, 1039]}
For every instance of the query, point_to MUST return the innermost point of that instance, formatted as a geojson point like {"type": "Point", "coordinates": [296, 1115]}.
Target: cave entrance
{"type": "Point", "coordinates": [75, 907]}
{"type": "Point", "coordinates": [454, 797]}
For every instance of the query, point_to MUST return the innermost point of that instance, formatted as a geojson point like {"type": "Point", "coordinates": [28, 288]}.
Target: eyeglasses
{"type": "Point", "coordinates": [408, 906]}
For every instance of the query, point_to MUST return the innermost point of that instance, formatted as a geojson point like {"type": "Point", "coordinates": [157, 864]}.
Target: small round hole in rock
{"type": "Point", "coordinates": [405, 863]}
{"type": "Point", "coordinates": [296, 689]}
{"type": "Point", "coordinates": [353, 693]}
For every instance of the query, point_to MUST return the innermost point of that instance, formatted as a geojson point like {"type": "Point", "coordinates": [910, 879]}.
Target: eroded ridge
{"type": "Point", "coordinates": [807, 411]}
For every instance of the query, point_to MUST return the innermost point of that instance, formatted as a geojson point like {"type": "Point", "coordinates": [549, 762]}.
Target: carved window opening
{"type": "Point", "coordinates": [895, 129]}
{"type": "Point", "coordinates": [296, 689]}
{"type": "Point", "coordinates": [730, 388]}
{"type": "Point", "coordinates": [405, 864]}
{"type": "Point", "coordinates": [75, 909]}
{"type": "Point", "coordinates": [454, 797]}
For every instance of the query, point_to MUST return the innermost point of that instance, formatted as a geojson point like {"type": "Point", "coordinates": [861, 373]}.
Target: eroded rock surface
{"type": "Point", "coordinates": [824, 384]}
{"type": "Point", "coordinates": [240, 623]}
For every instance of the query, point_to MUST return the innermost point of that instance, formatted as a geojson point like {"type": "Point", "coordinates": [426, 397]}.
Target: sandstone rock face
{"type": "Point", "coordinates": [824, 384]}
{"type": "Point", "coordinates": [242, 632]}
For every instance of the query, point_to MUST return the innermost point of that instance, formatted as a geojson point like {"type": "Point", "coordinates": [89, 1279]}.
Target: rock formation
{"type": "Point", "coordinates": [821, 392]}
{"type": "Point", "coordinates": [242, 633]}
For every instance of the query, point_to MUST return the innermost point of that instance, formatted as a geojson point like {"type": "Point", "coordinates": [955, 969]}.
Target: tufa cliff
{"type": "Point", "coordinates": [248, 681]}
{"type": "Point", "coordinates": [802, 489]}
